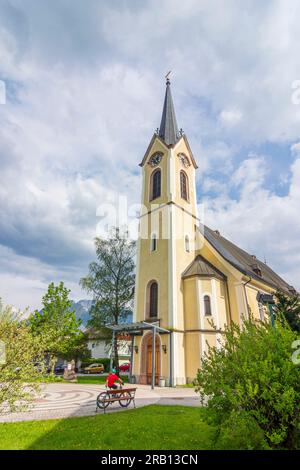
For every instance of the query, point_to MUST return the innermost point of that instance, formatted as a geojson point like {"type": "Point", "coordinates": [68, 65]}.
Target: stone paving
{"type": "Point", "coordinates": [66, 400]}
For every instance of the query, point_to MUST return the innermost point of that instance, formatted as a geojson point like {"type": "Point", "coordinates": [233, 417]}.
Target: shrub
{"type": "Point", "coordinates": [21, 362]}
{"type": "Point", "coordinates": [253, 373]}
{"type": "Point", "coordinates": [240, 431]}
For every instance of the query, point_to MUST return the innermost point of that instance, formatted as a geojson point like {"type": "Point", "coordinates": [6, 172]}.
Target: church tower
{"type": "Point", "coordinates": [168, 221]}
{"type": "Point", "coordinates": [191, 281]}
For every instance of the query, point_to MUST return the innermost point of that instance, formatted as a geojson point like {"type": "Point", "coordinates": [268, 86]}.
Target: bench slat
{"type": "Point", "coordinates": [123, 390]}
{"type": "Point", "coordinates": [110, 400]}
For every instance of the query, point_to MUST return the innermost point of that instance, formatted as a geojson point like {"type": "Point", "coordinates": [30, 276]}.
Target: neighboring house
{"type": "Point", "coordinates": [188, 275]}
{"type": "Point", "coordinates": [100, 345]}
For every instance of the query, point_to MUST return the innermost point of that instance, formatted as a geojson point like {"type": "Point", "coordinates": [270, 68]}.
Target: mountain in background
{"type": "Point", "coordinates": [82, 310]}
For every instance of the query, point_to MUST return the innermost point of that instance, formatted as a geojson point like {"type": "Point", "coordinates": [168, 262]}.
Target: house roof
{"type": "Point", "coordinates": [168, 130]}
{"type": "Point", "coordinates": [243, 261]}
{"type": "Point", "coordinates": [201, 267]}
{"type": "Point", "coordinates": [93, 333]}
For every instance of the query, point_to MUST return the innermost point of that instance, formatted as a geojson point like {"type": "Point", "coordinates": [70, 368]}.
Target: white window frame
{"type": "Point", "coordinates": [211, 305]}
{"type": "Point", "coordinates": [187, 238]}
{"type": "Point", "coordinates": [152, 237]}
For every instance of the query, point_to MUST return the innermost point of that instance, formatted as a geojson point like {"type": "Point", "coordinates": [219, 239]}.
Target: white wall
{"type": "Point", "coordinates": [100, 349]}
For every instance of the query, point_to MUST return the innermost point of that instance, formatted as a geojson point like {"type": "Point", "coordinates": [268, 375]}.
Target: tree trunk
{"type": "Point", "coordinates": [53, 360]}
{"type": "Point", "coordinates": [116, 355]}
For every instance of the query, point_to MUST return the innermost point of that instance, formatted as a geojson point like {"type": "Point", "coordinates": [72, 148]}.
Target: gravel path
{"type": "Point", "coordinates": [66, 400]}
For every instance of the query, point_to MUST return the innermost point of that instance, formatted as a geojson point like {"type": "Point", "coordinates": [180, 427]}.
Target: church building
{"type": "Point", "coordinates": [190, 280]}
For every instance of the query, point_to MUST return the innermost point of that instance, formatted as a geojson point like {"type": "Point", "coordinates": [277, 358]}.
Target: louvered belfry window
{"type": "Point", "coordinates": [183, 185]}
{"type": "Point", "coordinates": [156, 184]}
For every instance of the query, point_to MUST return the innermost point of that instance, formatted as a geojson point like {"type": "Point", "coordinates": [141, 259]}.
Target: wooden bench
{"type": "Point", "coordinates": [123, 395]}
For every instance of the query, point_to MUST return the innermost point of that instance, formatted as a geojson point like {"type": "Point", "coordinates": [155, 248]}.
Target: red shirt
{"type": "Point", "coordinates": [112, 378]}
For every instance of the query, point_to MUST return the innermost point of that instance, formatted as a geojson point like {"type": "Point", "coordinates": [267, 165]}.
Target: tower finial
{"type": "Point", "coordinates": [167, 78]}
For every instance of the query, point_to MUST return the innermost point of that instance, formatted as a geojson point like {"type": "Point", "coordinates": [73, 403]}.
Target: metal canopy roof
{"type": "Point", "coordinates": [137, 327]}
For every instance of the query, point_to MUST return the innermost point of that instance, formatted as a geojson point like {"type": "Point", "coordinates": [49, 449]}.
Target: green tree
{"type": "Point", "coordinates": [21, 361]}
{"type": "Point", "coordinates": [111, 281]}
{"type": "Point", "coordinates": [253, 376]}
{"type": "Point", "coordinates": [56, 325]}
{"type": "Point", "coordinates": [78, 348]}
{"type": "Point", "coordinates": [288, 306]}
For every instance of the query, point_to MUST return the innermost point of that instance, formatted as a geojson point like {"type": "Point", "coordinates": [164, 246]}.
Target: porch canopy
{"type": "Point", "coordinates": [136, 329]}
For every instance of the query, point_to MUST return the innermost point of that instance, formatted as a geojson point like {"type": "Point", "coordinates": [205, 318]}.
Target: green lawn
{"type": "Point", "coordinates": [151, 427]}
{"type": "Point", "coordinates": [86, 379]}
{"type": "Point", "coordinates": [100, 379]}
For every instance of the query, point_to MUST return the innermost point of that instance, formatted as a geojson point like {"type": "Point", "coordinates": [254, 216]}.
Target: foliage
{"type": "Point", "coordinates": [288, 306]}
{"type": "Point", "coordinates": [78, 348]}
{"type": "Point", "coordinates": [240, 431]}
{"type": "Point", "coordinates": [253, 373]}
{"type": "Point", "coordinates": [111, 281]}
{"type": "Point", "coordinates": [56, 325]}
{"type": "Point", "coordinates": [22, 364]}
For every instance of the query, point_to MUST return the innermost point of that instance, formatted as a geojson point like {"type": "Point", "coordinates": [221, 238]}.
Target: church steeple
{"type": "Point", "coordinates": [168, 130]}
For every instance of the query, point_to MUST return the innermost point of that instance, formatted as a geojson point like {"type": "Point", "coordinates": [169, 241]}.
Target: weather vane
{"type": "Point", "coordinates": [167, 77]}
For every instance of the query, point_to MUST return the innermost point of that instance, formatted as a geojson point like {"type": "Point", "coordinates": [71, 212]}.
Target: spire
{"type": "Point", "coordinates": [168, 130]}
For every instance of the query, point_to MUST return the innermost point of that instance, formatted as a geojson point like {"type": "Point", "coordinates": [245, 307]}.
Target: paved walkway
{"type": "Point", "coordinates": [66, 400]}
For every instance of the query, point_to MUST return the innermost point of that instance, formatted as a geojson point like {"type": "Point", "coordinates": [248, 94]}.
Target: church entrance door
{"type": "Point", "coordinates": [149, 360]}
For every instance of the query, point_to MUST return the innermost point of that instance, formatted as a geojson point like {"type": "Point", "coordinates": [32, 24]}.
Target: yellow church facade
{"type": "Point", "coordinates": [190, 281]}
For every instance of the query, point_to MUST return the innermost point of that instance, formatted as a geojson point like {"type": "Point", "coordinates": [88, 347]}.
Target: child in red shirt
{"type": "Point", "coordinates": [112, 378]}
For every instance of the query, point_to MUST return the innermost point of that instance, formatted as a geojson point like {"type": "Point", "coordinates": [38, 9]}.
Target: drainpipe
{"type": "Point", "coordinates": [228, 301]}
{"type": "Point", "coordinates": [245, 292]}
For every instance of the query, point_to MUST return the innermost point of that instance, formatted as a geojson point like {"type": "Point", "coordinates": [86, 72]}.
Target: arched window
{"type": "Point", "coordinates": [187, 243]}
{"type": "Point", "coordinates": [155, 184]}
{"type": "Point", "coordinates": [153, 293]}
{"type": "Point", "coordinates": [207, 305]}
{"type": "Point", "coordinates": [184, 190]}
{"type": "Point", "coordinates": [153, 242]}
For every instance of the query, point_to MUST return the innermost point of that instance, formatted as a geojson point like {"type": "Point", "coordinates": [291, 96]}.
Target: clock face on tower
{"type": "Point", "coordinates": [155, 159]}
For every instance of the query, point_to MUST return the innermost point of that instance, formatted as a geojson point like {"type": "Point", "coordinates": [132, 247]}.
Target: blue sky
{"type": "Point", "coordinates": [85, 88]}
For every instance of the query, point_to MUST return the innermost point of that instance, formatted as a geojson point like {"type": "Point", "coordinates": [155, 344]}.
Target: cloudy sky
{"type": "Point", "coordinates": [84, 92]}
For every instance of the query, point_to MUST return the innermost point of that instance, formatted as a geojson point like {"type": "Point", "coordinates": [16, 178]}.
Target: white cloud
{"type": "Point", "coordinates": [84, 95]}
{"type": "Point", "coordinates": [260, 221]}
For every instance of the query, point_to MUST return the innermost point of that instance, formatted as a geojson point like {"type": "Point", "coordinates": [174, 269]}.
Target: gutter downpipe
{"type": "Point", "coordinates": [245, 292]}
{"type": "Point", "coordinates": [228, 301]}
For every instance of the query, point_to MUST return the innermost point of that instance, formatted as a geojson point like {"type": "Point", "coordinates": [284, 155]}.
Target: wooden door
{"type": "Point", "coordinates": [149, 364]}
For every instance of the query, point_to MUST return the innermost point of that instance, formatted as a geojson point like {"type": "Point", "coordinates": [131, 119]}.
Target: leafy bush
{"type": "Point", "coordinates": [288, 307]}
{"type": "Point", "coordinates": [253, 374]}
{"type": "Point", "coordinates": [240, 431]}
{"type": "Point", "coordinates": [21, 362]}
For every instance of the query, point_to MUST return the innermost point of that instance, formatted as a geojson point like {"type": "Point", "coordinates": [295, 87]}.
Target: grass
{"type": "Point", "coordinates": [151, 427]}
{"type": "Point", "coordinates": [100, 379]}
{"type": "Point", "coordinates": [85, 379]}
